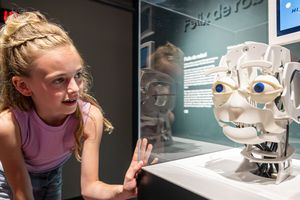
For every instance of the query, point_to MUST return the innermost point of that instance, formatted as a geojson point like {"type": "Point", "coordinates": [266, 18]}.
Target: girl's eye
{"type": "Point", "coordinates": [78, 75]}
{"type": "Point", "coordinates": [58, 81]}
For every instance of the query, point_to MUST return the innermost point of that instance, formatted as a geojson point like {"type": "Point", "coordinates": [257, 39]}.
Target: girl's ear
{"type": "Point", "coordinates": [21, 86]}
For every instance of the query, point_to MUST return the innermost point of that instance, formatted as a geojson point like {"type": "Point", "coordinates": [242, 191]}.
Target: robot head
{"type": "Point", "coordinates": [254, 93]}
{"type": "Point", "coordinates": [255, 97]}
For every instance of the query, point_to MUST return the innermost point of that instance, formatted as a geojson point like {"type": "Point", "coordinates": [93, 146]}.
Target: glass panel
{"type": "Point", "coordinates": [179, 42]}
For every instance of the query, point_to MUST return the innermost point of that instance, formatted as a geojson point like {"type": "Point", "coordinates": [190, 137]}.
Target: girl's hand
{"type": "Point", "coordinates": [130, 184]}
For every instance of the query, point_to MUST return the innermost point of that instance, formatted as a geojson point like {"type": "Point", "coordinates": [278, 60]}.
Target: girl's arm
{"type": "Point", "coordinates": [12, 158]}
{"type": "Point", "coordinates": [91, 186]}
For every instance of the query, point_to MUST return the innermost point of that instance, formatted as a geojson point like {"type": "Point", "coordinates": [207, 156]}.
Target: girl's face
{"type": "Point", "coordinates": [55, 83]}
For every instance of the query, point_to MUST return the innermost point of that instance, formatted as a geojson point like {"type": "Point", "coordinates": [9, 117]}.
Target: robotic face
{"type": "Point", "coordinates": [246, 108]}
{"type": "Point", "coordinates": [255, 95]}
{"type": "Point", "coordinates": [244, 94]}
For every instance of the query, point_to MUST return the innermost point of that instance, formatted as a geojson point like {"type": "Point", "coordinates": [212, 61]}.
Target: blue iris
{"type": "Point", "coordinates": [219, 88]}
{"type": "Point", "coordinates": [259, 87]}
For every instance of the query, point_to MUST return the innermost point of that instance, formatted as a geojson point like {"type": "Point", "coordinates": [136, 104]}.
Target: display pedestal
{"type": "Point", "coordinates": [213, 176]}
{"type": "Point", "coordinates": [152, 187]}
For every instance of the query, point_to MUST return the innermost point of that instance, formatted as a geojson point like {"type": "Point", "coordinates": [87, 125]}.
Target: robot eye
{"type": "Point", "coordinates": [222, 89]}
{"type": "Point", "coordinates": [265, 88]}
{"type": "Point", "coordinates": [264, 85]}
{"type": "Point", "coordinates": [259, 87]}
{"type": "Point", "coordinates": [225, 85]}
{"type": "Point", "coordinates": [219, 87]}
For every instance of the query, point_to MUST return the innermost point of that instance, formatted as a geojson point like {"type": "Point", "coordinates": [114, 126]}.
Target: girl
{"type": "Point", "coordinates": [46, 114]}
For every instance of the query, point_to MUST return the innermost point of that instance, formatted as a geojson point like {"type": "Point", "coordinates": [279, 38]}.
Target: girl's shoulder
{"type": "Point", "coordinates": [94, 122]}
{"type": "Point", "coordinates": [94, 115]}
{"type": "Point", "coordinates": [7, 119]}
{"type": "Point", "coordinates": [90, 110]}
{"type": "Point", "coordinates": [8, 123]}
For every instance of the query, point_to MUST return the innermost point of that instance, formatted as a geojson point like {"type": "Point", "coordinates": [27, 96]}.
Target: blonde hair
{"type": "Point", "coordinates": [21, 37]}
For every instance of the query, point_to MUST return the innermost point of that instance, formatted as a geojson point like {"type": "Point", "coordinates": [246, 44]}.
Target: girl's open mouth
{"type": "Point", "coordinates": [70, 102]}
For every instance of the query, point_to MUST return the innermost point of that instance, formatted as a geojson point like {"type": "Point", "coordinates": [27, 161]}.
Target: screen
{"type": "Point", "coordinates": [288, 16]}
{"type": "Point", "coordinates": [146, 50]}
{"type": "Point", "coordinates": [144, 56]}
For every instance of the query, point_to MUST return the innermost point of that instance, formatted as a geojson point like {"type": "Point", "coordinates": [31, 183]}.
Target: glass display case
{"type": "Point", "coordinates": [180, 42]}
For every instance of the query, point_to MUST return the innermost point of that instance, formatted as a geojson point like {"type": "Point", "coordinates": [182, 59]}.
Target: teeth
{"type": "Point", "coordinates": [70, 100]}
{"type": "Point", "coordinates": [239, 124]}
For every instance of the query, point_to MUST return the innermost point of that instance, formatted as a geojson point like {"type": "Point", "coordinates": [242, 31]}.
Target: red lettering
{"type": "Point", "coordinates": [5, 15]}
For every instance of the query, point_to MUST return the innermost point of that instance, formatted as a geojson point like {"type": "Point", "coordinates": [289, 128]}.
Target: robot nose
{"type": "Point", "coordinates": [235, 107]}
{"type": "Point", "coordinates": [234, 113]}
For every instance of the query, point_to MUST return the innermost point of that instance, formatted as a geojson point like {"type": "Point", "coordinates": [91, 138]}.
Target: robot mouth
{"type": "Point", "coordinates": [242, 133]}
{"type": "Point", "coordinates": [237, 124]}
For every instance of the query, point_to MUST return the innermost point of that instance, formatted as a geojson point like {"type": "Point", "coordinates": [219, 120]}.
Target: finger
{"type": "Point", "coordinates": [136, 150]}
{"type": "Point", "coordinates": [143, 148]}
{"type": "Point", "coordinates": [154, 161]}
{"type": "Point", "coordinates": [147, 153]}
{"type": "Point", "coordinates": [131, 173]}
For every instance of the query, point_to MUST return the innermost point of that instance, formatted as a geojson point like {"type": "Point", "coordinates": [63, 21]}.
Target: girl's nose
{"type": "Point", "coordinates": [72, 86]}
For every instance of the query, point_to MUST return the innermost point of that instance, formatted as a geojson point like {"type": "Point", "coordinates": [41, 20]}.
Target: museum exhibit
{"type": "Point", "coordinates": [219, 100]}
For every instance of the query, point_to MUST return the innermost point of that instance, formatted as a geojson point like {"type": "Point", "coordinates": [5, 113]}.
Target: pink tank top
{"type": "Point", "coordinates": [47, 147]}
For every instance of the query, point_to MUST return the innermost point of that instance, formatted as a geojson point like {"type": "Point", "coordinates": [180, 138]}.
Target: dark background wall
{"type": "Point", "coordinates": [102, 31]}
